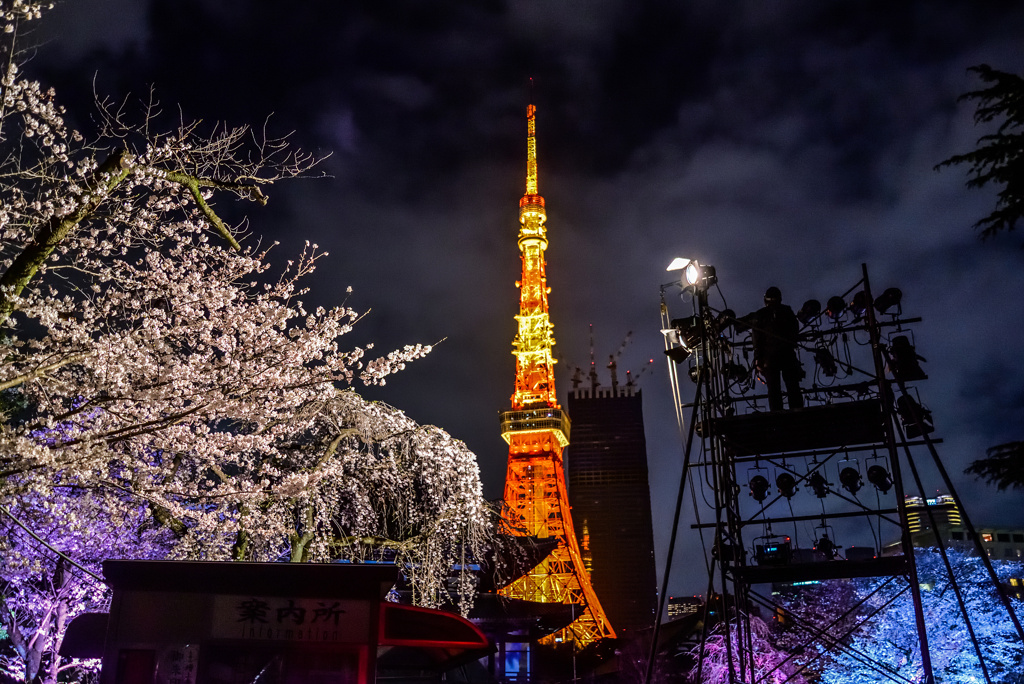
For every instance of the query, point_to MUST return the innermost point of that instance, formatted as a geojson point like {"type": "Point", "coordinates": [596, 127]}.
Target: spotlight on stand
{"type": "Point", "coordinates": [759, 487]}
{"type": "Point", "coordinates": [786, 484]}
{"type": "Point", "coordinates": [834, 307]}
{"type": "Point", "coordinates": [889, 299]}
{"type": "Point", "coordinates": [695, 275]}
{"type": "Point", "coordinates": [809, 311]}
{"type": "Point", "coordinates": [903, 360]}
{"type": "Point", "coordinates": [879, 476]}
{"type": "Point", "coordinates": [819, 484]}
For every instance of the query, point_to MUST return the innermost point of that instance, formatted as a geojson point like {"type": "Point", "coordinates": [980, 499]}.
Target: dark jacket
{"type": "Point", "coordinates": [774, 331]}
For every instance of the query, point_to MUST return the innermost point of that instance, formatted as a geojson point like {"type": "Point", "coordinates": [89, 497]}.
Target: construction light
{"type": "Point", "coordinates": [879, 476]}
{"type": "Point", "coordinates": [809, 311]}
{"type": "Point", "coordinates": [903, 360]}
{"type": "Point", "coordinates": [786, 484]}
{"type": "Point", "coordinates": [835, 307]}
{"type": "Point", "coordinates": [819, 484]}
{"type": "Point", "coordinates": [850, 478]}
{"type": "Point", "coordinates": [889, 299]}
{"type": "Point", "coordinates": [759, 487]}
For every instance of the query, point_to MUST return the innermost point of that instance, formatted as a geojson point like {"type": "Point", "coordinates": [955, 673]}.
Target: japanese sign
{"type": "Point", "coordinates": [290, 619]}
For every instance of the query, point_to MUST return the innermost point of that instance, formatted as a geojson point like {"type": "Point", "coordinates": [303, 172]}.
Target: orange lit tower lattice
{"type": "Point", "coordinates": [537, 430]}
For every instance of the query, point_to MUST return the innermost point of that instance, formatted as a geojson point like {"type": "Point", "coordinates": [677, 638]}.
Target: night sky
{"type": "Point", "coordinates": [786, 143]}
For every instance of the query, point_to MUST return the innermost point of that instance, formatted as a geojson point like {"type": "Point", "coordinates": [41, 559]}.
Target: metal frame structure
{"type": "Point", "coordinates": [862, 405]}
{"type": "Point", "coordinates": [536, 429]}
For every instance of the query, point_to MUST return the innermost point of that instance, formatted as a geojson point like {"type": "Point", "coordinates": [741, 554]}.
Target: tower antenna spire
{"type": "Point", "coordinates": [536, 429]}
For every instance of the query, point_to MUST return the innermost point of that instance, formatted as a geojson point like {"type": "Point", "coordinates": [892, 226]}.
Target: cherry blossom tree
{"type": "Point", "coordinates": [164, 390]}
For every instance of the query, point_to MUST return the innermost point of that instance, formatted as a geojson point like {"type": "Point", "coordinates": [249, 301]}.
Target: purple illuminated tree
{"type": "Point", "coordinates": [771, 664]}
{"type": "Point", "coordinates": [165, 392]}
{"type": "Point", "coordinates": [41, 592]}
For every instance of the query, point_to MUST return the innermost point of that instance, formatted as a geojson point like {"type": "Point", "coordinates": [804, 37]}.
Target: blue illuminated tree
{"type": "Point", "coordinates": [883, 645]}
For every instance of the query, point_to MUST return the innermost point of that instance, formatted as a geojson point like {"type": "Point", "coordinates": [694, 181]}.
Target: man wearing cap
{"type": "Point", "coordinates": [773, 332]}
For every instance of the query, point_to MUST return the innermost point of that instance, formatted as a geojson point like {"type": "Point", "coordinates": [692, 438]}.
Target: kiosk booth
{"type": "Point", "coordinates": [265, 623]}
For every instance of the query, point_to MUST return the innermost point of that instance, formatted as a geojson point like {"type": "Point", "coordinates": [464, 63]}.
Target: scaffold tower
{"type": "Point", "coordinates": [790, 490]}
{"type": "Point", "coordinates": [537, 430]}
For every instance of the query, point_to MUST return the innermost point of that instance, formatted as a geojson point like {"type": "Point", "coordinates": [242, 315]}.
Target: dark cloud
{"type": "Point", "coordinates": [786, 143]}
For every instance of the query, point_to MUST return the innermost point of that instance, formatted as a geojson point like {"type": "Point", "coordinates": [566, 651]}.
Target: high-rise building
{"type": "Point", "coordinates": [536, 429]}
{"type": "Point", "coordinates": [610, 496]}
{"type": "Point", "coordinates": [1002, 543]}
{"type": "Point", "coordinates": [947, 514]}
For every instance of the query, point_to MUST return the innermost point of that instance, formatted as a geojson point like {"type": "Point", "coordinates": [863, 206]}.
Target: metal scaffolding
{"type": "Point", "coordinates": [861, 418]}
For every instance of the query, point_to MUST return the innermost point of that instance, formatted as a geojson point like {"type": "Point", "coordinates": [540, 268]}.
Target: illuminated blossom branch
{"type": "Point", "coordinates": [166, 393]}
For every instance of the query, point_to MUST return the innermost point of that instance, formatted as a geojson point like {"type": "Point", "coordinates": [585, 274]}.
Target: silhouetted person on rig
{"type": "Point", "coordinates": [773, 331]}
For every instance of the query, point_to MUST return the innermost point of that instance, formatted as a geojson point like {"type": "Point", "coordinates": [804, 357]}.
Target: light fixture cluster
{"type": "Point", "coordinates": [836, 306]}
{"type": "Point", "coordinates": [849, 477]}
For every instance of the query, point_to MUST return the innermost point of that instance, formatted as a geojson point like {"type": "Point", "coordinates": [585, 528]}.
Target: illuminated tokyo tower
{"type": "Point", "coordinates": [537, 430]}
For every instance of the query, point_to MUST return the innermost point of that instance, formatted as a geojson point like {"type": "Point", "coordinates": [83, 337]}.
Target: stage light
{"type": "Point", "coordinates": [809, 311]}
{"type": "Point", "coordinates": [826, 547]}
{"type": "Point", "coordinates": [879, 476]}
{"type": "Point", "coordinates": [759, 487]}
{"type": "Point", "coordinates": [859, 304]}
{"type": "Point", "coordinates": [818, 484]}
{"type": "Point", "coordinates": [723, 320]}
{"type": "Point", "coordinates": [916, 419]}
{"type": "Point", "coordinates": [695, 274]}
{"type": "Point", "coordinates": [825, 361]}
{"type": "Point", "coordinates": [889, 299]}
{"type": "Point", "coordinates": [786, 484]}
{"type": "Point", "coordinates": [734, 372]}
{"type": "Point", "coordinates": [688, 330]}
{"type": "Point", "coordinates": [684, 332]}
{"type": "Point", "coordinates": [695, 372]}
{"type": "Point", "coordinates": [849, 477]}
{"type": "Point", "coordinates": [678, 354]}
{"type": "Point", "coordinates": [903, 360]}
{"type": "Point", "coordinates": [678, 263]}
{"type": "Point", "coordinates": [835, 307]}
